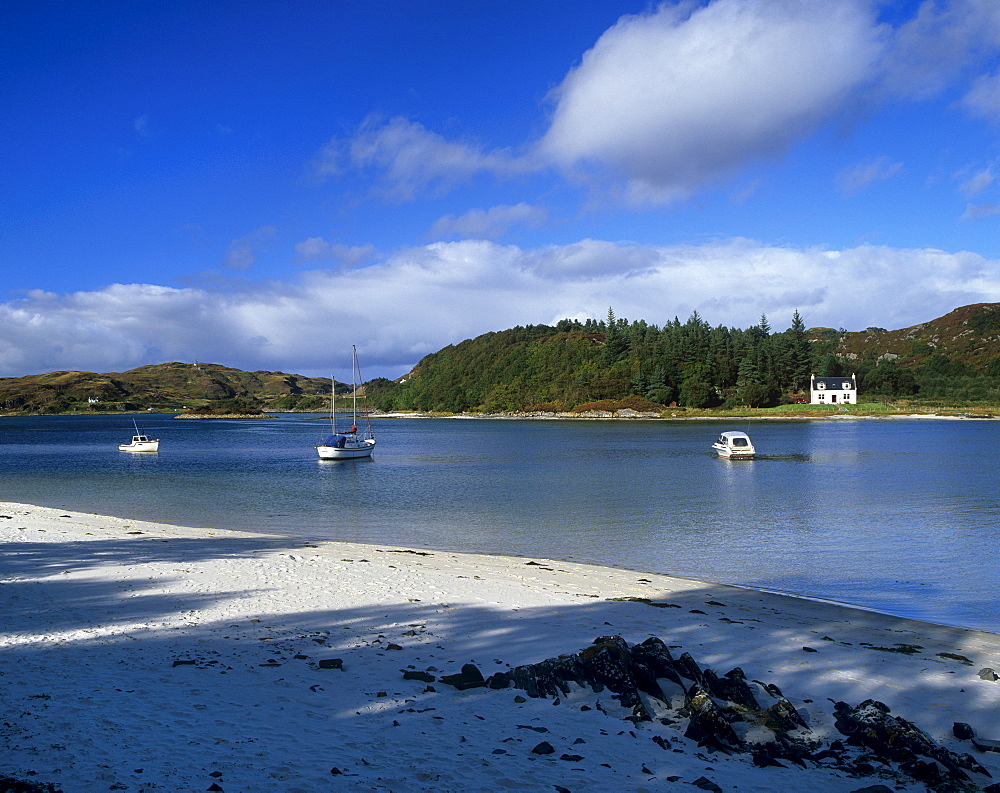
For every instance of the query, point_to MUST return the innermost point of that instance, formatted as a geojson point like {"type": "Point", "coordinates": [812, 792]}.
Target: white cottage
{"type": "Point", "coordinates": [833, 390]}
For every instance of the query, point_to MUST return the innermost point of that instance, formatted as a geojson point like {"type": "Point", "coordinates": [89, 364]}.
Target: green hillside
{"type": "Point", "coordinates": [598, 364]}
{"type": "Point", "coordinates": [166, 386]}
{"type": "Point", "coordinates": [693, 364]}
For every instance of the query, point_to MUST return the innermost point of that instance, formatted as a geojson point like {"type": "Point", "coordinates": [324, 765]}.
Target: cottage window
{"type": "Point", "coordinates": [847, 386]}
{"type": "Point", "coordinates": [820, 385]}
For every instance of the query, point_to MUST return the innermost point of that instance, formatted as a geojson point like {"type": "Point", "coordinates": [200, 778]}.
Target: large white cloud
{"type": "Point", "coordinates": [680, 98]}
{"type": "Point", "coordinates": [423, 298]}
{"type": "Point", "coordinates": [672, 100]}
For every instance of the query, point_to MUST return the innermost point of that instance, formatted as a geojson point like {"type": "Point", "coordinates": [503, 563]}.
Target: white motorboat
{"type": "Point", "coordinates": [349, 445]}
{"type": "Point", "coordinates": [140, 442]}
{"type": "Point", "coordinates": [735, 446]}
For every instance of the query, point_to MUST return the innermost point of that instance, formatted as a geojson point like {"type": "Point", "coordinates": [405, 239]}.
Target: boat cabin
{"type": "Point", "coordinates": [734, 444]}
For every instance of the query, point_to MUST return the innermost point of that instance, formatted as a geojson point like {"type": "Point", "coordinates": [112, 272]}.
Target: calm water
{"type": "Point", "coordinates": [901, 516]}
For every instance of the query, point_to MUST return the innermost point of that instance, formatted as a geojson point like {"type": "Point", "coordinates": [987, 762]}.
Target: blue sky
{"type": "Point", "coordinates": [264, 184]}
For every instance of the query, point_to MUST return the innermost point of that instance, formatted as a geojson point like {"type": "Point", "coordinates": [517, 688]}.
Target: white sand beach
{"type": "Point", "coordinates": [146, 657]}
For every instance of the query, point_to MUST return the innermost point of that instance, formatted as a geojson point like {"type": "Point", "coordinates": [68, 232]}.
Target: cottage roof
{"type": "Point", "coordinates": [834, 383]}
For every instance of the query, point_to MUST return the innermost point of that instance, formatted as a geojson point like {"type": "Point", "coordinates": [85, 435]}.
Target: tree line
{"type": "Point", "coordinates": [690, 364]}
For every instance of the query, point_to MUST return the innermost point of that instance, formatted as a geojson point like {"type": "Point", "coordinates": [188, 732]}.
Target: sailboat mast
{"type": "Point", "coordinates": [354, 377]}
{"type": "Point", "coordinates": [333, 405]}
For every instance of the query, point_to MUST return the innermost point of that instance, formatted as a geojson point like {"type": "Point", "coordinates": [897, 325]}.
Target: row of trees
{"type": "Point", "coordinates": [691, 364]}
{"type": "Point", "coordinates": [573, 363]}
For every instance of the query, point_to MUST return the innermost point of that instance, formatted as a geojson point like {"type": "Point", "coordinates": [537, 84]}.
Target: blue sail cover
{"type": "Point", "coordinates": [336, 441]}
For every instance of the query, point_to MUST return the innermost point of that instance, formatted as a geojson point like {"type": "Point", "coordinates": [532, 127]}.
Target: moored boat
{"type": "Point", "coordinates": [140, 442]}
{"type": "Point", "coordinates": [349, 445]}
{"type": "Point", "coordinates": [734, 445]}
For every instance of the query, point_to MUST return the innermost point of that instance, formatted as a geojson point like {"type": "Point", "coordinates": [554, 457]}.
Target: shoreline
{"type": "Point", "coordinates": [150, 657]}
{"type": "Point", "coordinates": [589, 417]}
{"type": "Point", "coordinates": [960, 414]}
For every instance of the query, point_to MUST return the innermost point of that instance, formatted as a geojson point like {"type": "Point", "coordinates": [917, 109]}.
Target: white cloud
{"type": "Point", "coordinates": [488, 224]}
{"type": "Point", "coordinates": [978, 182]}
{"type": "Point", "coordinates": [409, 158]}
{"type": "Point", "coordinates": [242, 252]}
{"type": "Point", "coordinates": [682, 98]}
{"type": "Point", "coordinates": [672, 101]}
{"type": "Point", "coordinates": [983, 99]}
{"type": "Point", "coordinates": [424, 298]}
{"type": "Point", "coordinates": [981, 211]}
{"type": "Point", "coordinates": [317, 249]}
{"type": "Point", "coordinates": [864, 174]}
{"type": "Point", "coordinates": [933, 49]}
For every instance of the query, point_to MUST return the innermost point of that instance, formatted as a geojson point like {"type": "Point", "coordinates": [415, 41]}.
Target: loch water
{"type": "Point", "coordinates": [901, 515]}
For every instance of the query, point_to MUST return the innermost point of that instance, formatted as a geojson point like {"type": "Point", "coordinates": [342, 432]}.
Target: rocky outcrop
{"type": "Point", "coordinates": [871, 725]}
{"type": "Point", "coordinates": [729, 714]}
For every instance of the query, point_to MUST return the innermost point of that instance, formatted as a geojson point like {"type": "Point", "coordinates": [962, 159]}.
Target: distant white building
{"type": "Point", "coordinates": [833, 390]}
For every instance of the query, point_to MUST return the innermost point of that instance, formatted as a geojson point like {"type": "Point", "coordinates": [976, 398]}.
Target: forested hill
{"type": "Point", "coordinates": [166, 386]}
{"type": "Point", "coordinates": [694, 364]}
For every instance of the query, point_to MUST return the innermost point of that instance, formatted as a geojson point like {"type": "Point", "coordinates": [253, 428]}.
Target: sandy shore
{"type": "Point", "coordinates": [145, 657]}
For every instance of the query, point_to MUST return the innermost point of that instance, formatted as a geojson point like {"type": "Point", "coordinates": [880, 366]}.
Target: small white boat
{"type": "Point", "coordinates": [734, 445]}
{"type": "Point", "coordinates": [140, 442]}
{"type": "Point", "coordinates": [349, 445]}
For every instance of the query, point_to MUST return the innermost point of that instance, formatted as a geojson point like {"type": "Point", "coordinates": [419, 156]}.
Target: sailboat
{"type": "Point", "coordinates": [140, 442]}
{"type": "Point", "coordinates": [348, 445]}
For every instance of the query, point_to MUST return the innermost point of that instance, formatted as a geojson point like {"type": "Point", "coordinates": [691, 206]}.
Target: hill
{"type": "Point", "coordinates": [166, 386]}
{"type": "Point", "coordinates": [577, 365]}
{"type": "Point", "coordinates": [595, 365]}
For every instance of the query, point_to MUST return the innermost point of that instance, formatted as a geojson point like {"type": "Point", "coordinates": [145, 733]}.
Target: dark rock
{"type": "Point", "coordinates": [992, 789]}
{"type": "Point", "coordinates": [707, 784]}
{"type": "Point", "coordinates": [731, 687]}
{"type": "Point", "coordinates": [782, 716]}
{"type": "Point", "coordinates": [688, 668]}
{"type": "Point", "coordinates": [874, 789]}
{"type": "Point", "coordinates": [331, 663]}
{"type": "Point", "coordinates": [499, 680]}
{"type": "Point", "coordinates": [184, 662]}
{"type": "Point", "coordinates": [765, 755]}
{"type": "Point", "coordinates": [962, 731]}
{"type": "Point", "coordinates": [986, 745]}
{"type": "Point", "coordinates": [543, 748]}
{"type": "Point", "coordinates": [926, 771]}
{"type": "Point", "coordinates": [988, 674]}
{"type": "Point", "coordinates": [336, 771]}
{"type": "Point", "coordinates": [214, 788]}
{"type": "Point", "coordinates": [891, 738]}
{"type": "Point", "coordinates": [651, 660]}
{"type": "Point", "coordinates": [606, 664]}
{"type": "Point", "coordinates": [572, 758]}
{"type": "Point", "coordinates": [425, 677]}
{"type": "Point", "coordinates": [469, 677]}
{"type": "Point", "coordinates": [393, 646]}
{"type": "Point", "coordinates": [708, 725]}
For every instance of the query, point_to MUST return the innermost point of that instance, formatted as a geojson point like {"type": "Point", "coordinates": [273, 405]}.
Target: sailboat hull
{"type": "Point", "coordinates": [351, 450]}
